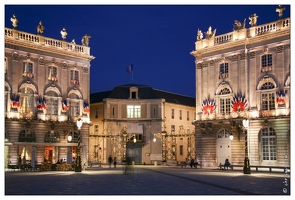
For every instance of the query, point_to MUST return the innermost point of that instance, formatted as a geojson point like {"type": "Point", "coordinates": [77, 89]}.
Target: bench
{"type": "Point", "coordinates": [284, 169]}
{"type": "Point", "coordinates": [183, 164]}
{"type": "Point", "coordinates": [95, 163]}
{"type": "Point", "coordinates": [12, 167]}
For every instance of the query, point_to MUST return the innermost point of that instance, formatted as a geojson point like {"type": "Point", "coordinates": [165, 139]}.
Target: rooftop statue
{"type": "Point", "coordinates": [200, 35]}
{"type": "Point", "coordinates": [85, 40]}
{"type": "Point", "coordinates": [280, 10]}
{"type": "Point", "coordinates": [40, 28]}
{"type": "Point", "coordinates": [14, 21]}
{"type": "Point", "coordinates": [253, 19]}
{"type": "Point", "coordinates": [209, 33]}
{"type": "Point", "coordinates": [63, 33]}
{"type": "Point", "coordinates": [238, 25]}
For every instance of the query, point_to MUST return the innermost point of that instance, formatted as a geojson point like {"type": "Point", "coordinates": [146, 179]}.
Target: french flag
{"type": "Point", "coordinates": [129, 68]}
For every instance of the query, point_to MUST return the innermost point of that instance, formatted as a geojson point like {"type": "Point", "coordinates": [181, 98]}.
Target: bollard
{"type": "Point", "coordinates": [155, 163]}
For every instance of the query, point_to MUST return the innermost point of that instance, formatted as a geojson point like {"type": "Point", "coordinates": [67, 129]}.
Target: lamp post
{"type": "Point", "coordinates": [246, 169]}
{"type": "Point", "coordinates": [78, 167]}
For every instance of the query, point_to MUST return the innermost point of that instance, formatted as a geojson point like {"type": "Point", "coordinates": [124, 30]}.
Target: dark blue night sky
{"type": "Point", "coordinates": [156, 39]}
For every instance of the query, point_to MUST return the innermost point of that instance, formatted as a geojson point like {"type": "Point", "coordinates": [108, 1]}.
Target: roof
{"type": "Point", "coordinates": [144, 92]}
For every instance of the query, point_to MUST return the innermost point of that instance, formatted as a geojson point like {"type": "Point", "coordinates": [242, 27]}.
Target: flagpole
{"type": "Point", "coordinates": [132, 75]}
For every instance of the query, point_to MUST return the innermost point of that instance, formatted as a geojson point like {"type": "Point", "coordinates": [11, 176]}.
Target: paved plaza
{"type": "Point", "coordinates": [147, 180]}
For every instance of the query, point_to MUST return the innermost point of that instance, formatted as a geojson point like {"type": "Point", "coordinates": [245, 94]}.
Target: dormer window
{"type": "Point", "coordinates": [133, 93]}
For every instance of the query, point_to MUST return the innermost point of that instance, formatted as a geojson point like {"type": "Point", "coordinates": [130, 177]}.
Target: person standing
{"type": "Point", "coordinates": [192, 163]}
{"type": "Point", "coordinates": [110, 161]}
{"type": "Point", "coordinates": [115, 162]}
{"type": "Point", "coordinates": [19, 162]}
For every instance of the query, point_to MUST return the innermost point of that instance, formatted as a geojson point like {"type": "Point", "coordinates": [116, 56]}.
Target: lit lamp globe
{"type": "Point", "coordinates": [231, 137]}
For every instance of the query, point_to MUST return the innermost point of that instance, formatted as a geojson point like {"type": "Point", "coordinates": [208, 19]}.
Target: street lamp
{"type": "Point", "coordinates": [78, 167]}
{"type": "Point", "coordinates": [246, 169]}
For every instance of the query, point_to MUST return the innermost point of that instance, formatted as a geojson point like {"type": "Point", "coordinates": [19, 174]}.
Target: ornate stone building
{"type": "Point", "coordinates": [159, 121]}
{"type": "Point", "coordinates": [46, 91]}
{"type": "Point", "coordinates": [244, 75]}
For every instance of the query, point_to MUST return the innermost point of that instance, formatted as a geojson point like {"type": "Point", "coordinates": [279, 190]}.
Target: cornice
{"type": "Point", "coordinates": [49, 49]}
{"type": "Point", "coordinates": [242, 42]}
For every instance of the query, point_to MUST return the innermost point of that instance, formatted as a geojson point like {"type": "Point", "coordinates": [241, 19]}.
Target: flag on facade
{"type": "Point", "coordinates": [129, 68]}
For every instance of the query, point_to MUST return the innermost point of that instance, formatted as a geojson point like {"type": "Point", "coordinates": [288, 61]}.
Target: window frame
{"type": "Point", "coordinates": [268, 144]}
{"type": "Point", "coordinates": [133, 111]}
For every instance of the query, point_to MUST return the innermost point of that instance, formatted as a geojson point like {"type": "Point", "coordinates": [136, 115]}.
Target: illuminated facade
{"type": "Point", "coordinates": [244, 74]}
{"type": "Point", "coordinates": [161, 123]}
{"type": "Point", "coordinates": [46, 90]}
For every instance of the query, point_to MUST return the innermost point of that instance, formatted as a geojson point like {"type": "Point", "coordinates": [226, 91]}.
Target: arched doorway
{"type": "Point", "coordinates": [223, 146]}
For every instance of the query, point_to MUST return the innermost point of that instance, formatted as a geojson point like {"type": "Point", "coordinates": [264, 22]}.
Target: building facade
{"type": "Point", "coordinates": [142, 123]}
{"type": "Point", "coordinates": [244, 77]}
{"type": "Point", "coordinates": [47, 84]}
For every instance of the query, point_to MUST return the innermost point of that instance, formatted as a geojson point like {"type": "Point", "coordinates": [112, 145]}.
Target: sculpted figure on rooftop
{"type": "Point", "coordinates": [40, 28]}
{"type": "Point", "coordinates": [280, 10]}
{"type": "Point", "coordinates": [200, 35]}
{"type": "Point", "coordinates": [63, 33]}
{"type": "Point", "coordinates": [14, 21]}
{"type": "Point", "coordinates": [253, 19]}
{"type": "Point", "coordinates": [238, 25]}
{"type": "Point", "coordinates": [209, 33]}
{"type": "Point", "coordinates": [85, 40]}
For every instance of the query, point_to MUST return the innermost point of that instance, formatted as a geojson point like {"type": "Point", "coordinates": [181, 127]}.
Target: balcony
{"type": "Point", "coordinates": [45, 42]}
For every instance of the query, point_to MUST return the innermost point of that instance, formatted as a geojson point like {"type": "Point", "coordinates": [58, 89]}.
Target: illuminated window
{"type": "Point", "coordinates": [223, 70]}
{"type": "Point", "coordinates": [268, 96]}
{"type": "Point", "coordinates": [51, 103]}
{"type": "Point", "coordinates": [28, 69]}
{"type": "Point", "coordinates": [52, 73]}
{"type": "Point", "coordinates": [27, 100]}
{"type": "Point", "coordinates": [74, 105]}
{"type": "Point", "coordinates": [75, 76]}
{"type": "Point", "coordinates": [269, 144]}
{"type": "Point", "coordinates": [133, 111]}
{"type": "Point", "coordinates": [224, 101]}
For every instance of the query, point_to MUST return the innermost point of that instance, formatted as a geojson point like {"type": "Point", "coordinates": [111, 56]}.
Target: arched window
{"type": "Point", "coordinates": [269, 144]}
{"type": "Point", "coordinates": [27, 136]}
{"type": "Point", "coordinates": [268, 96]}
{"type": "Point", "coordinates": [51, 103]}
{"type": "Point", "coordinates": [224, 101]}
{"type": "Point", "coordinates": [75, 136]}
{"type": "Point", "coordinates": [27, 100]}
{"type": "Point", "coordinates": [51, 136]}
{"type": "Point", "coordinates": [74, 105]}
{"type": "Point", "coordinates": [223, 134]}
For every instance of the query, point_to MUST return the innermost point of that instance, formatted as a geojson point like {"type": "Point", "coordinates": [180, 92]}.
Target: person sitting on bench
{"type": "Point", "coordinates": [226, 163]}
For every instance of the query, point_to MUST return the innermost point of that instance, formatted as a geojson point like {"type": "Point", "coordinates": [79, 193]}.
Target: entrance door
{"type": "Point", "coordinates": [134, 152]}
{"type": "Point", "coordinates": [223, 147]}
